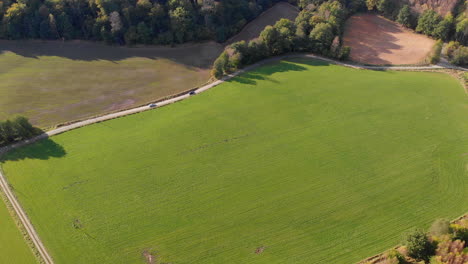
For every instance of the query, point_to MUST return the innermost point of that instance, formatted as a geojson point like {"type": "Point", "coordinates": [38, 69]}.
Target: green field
{"type": "Point", "coordinates": [316, 163]}
{"type": "Point", "coordinates": [13, 247]}
{"type": "Point", "coordinates": [52, 82]}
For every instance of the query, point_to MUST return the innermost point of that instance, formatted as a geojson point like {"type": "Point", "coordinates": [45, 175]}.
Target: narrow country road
{"type": "Point", "coordinates": [22, 214]}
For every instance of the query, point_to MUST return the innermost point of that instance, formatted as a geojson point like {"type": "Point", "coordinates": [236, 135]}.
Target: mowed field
{"type": "Point", "coordinates": [284, 164]}
{"type": "Point", "coordinates": [268, 18]}
{"type": "Point", "coordinates": [55, 82]}
{"type": "Point", "coordinates": [13, 247]}
{"type": "Point", "coordinates": [376, 40]}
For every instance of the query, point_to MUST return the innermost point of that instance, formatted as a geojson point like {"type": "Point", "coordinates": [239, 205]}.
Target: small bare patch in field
{"type": "Point", "coordinates": [259, 250]}
{"type": "Point", "coordinates": [149, 258]}
{"type": "Point", "coordinates": [376, 40]}
{"type": "Point", "coordinates": [253, 29]}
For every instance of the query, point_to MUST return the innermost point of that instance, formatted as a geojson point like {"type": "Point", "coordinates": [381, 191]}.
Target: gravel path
{"type": "Point", "coordinates": [22, 214]}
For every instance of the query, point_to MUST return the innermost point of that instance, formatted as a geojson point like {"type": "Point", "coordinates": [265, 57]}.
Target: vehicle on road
{"type": "Point", "coordinates": [152, 105]}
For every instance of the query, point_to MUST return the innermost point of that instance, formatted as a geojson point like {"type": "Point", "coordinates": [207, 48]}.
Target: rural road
{"type": "Point", "coordinates": [22, 214]}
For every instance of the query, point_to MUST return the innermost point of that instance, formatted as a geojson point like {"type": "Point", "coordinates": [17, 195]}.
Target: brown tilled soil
{"type": "Point", "coordinates": [376, 40]}
{"type": "Point", "coordinates": [269, 17]}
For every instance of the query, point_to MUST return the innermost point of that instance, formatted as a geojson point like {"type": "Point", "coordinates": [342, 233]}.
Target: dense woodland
{"type": "Point", "coordinates": [178, 21]}
{"type": "Point", "coordinates": [128, 21]}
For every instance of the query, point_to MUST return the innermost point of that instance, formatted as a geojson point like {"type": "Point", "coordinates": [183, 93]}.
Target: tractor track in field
{"type": "Point", "coordinates": [22, 214]}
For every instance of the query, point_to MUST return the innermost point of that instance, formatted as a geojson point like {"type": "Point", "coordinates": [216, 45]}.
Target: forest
{"type": "Point", "coordinates": [128, 21]}
{"type": "Point", "coordinates": [169, 22]}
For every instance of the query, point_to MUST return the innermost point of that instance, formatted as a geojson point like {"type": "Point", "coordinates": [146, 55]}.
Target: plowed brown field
{"type": "Point", "coordinates": [376, 40]}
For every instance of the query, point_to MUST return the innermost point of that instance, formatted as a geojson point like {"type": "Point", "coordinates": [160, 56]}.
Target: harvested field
{"type": "Point", "coordinates": [376, 40]}
{"type": "Point", "coordinates": [53, 82]}
{"type": "Point", "coordinates": [253, 29]}
{"type": "Point", "coordinates": [299, 161]}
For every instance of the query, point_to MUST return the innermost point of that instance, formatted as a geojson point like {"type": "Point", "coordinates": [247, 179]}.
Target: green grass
{"type": "Point", "coordinates": [55, 82]}
{"type": "Point", "coordinates": [317, 163]}
{"type": "Point", "coordinates": [13, 247]}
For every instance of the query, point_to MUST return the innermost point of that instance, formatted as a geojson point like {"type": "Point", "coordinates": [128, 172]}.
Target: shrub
{"type": "Point", "coordinates": [419, 246]}
{"type": "Point", "coordinates": [444, 28]}
{"type": "Point", "coordinates": [15, 130]}
{"type": "Point", "coordinates": [427, 22]}
{"type": "Point", "coordinates": [395, 257]}
{"type": "Point", "coordinates": [434, 56]}
{"type": "Point", "coordinates": [221, 65]}
{"type": "Point", "coordinates": [440, 227]}
{"type": "Point", "coordinates": [451, 47]}
{"type": "Point", "coordinates": [405, 17]}
{"type": "Point", "coordinates": [460, 56]}
{"type": "Point", "coordinates": [345, 51]}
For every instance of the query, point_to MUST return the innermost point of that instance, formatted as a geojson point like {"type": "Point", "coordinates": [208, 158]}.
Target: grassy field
{"type": "Point", "coordinates": [296, 162]}
{"type": "Point", "coordinates": [54, 82]}
{"type": "Point", "coordinates": [13, 248]}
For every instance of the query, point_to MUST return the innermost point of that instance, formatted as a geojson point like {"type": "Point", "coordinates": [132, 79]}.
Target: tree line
{"type": "Point", "coordinates": [16, 130]}
{"type": "Point", "coordinates": [316, 29]}
{"type": "Point", "coordinates": [128, 21]}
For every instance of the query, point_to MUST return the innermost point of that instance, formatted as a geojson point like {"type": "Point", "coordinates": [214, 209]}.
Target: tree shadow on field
{"type": "Point", "coordinates": [43, 149]}
{"type": "Point", "coordinates": [263, 73]}
{"type": "Point", "coordinates": [196, 55]}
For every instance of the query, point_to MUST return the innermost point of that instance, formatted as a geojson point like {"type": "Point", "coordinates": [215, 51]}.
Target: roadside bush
{"type": "Point", "coordinates": [451, 47]}
{"type": "Point", "coordinates": [221, 65]}
{"type": "Point", "coordinates": [16, 130]}
{"type": "Point", "coordinates": [460, 230]}
{"type": "Point", "coordinates": [460, 56]}
{"type": "Point", "coordinates": [395, 257]}
{"type": "Point", "coordinates": [434, 56]}
{"type": "Point", "coordinates": [419, 246]}
{"type": "Point", "coordinates": [345, 51]}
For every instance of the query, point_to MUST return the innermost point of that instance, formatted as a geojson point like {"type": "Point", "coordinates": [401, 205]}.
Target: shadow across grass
{"type": "Point", "coordinates": [263, 73]}
{"type": "Point", "coordinates": [43, 149]}
{"type": "Point", "coordinates": [198, 55]}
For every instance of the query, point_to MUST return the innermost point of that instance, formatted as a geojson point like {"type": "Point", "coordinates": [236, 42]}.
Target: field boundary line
{"type": "Point", "coordinates": [24, 220]}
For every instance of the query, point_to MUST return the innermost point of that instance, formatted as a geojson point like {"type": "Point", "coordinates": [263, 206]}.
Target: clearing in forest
{"type": "Point", "coordinates": [285, 164]}
{"type": "Point", "coordinates": [376, 40]}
